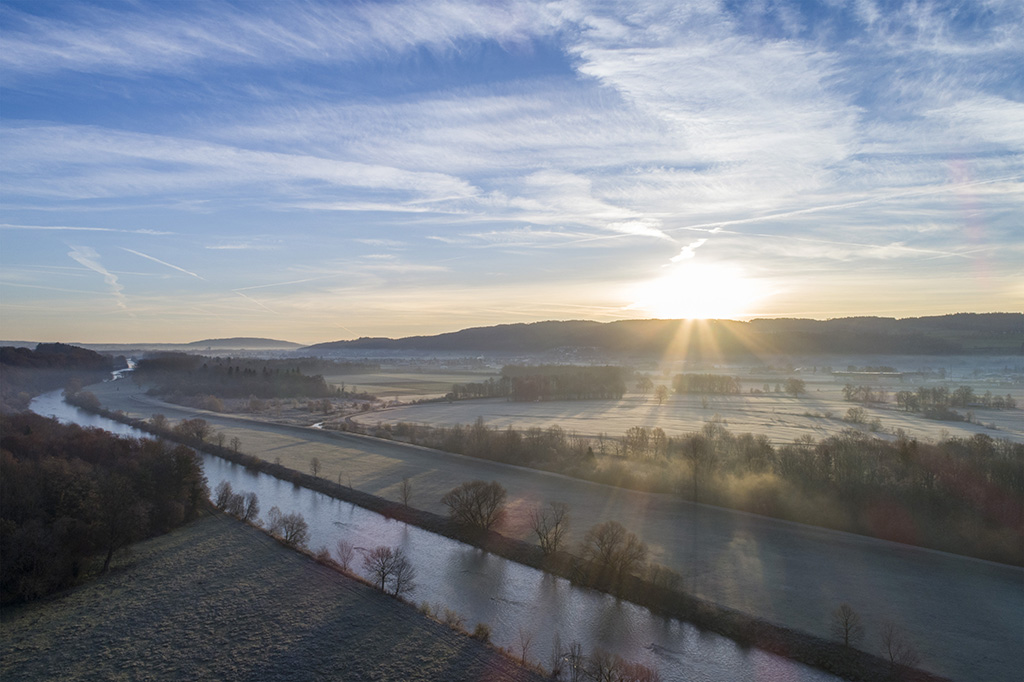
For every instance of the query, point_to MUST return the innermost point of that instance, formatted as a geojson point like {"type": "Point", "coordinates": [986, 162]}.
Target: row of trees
{"type": "Point", "coordinates": [962, 494]}
{"type": "Point", "coordinates": [69, 495]}
{"type": "Point", "coordinates": [708, 384]}
{"type": "Point", "coordinates": [941, 397]}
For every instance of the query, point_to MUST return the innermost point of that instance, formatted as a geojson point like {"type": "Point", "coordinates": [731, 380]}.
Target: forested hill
{"type": "Point", "coordinates": [962, 333]}
{"type": "Point", "coordinates": [26, 372]}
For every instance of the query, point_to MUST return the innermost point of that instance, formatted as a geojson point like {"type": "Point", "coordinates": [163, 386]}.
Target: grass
{"type": "Point", "coordinates": [220, 600]}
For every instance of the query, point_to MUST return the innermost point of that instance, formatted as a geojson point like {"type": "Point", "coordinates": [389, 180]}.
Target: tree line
{"type": "Point", "coordinates": [530, 383]}
{"type": "Point", "coordinates": [27, 372]}
{"type": "Point", "coordinates": [964, 495]}
{"type": "Point", "coordinates": [71, 497]}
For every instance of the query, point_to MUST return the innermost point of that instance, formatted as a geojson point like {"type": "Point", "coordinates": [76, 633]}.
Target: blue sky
{"type": "Point", "coordinates": [171, 171]}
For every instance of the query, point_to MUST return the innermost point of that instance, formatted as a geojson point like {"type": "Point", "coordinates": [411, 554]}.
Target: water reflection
{"type": "Point", "coordinates": [484, 588]}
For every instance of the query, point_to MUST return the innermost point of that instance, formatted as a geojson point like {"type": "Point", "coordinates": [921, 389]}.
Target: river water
{"type": "Point", "coordinates": [518, 603]}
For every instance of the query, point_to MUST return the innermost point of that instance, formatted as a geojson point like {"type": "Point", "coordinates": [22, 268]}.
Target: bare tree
{"type": "Point", "coordinates": [525, 640]}
{"type": "Point", "coordinates": [198, 429]}
{"type": "Point", "coordinates": [603, 667]}
{"type": "Point", "coordinates": [896, 646]}
{"type": "Point", "coordinates": [403, 579]}
{"type": "Point", "coordinates": [616, 551]}
{"type": "Point", "coordinates": [291, 528]}
{"type": "Point", "coordinates": [389, 567]}
{"type": "Point", "coordinates": [236, 443]}
{"type": "Point", "coordinates": [405, 491]}
{"type": "Point", "coordinates": [557, 661]}
{"type": "Point", "coordinates": [346, 552]}
{"type": "Point", "coordinates": [222, 495]}
{"type": "Point", "coordinates": [476, 503]}
{"type": "Point", "coordinates": [252, 508]}
{"type": "Point", "coordinates": [550, 524]}
{"type": "Point", "coordinates": [575, 662]}
{"type": "Point", "coordinates": [661, 393]}
{"type": "Point", "coordinates": [314, 466]}
{"type": "Point", "coordinates": [236, 505]}
{"type": "Point", "coordinates": [846, 625]}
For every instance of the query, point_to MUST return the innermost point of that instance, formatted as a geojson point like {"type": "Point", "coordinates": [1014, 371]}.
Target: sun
{"type": "Point", "coordinates": [697, 292]}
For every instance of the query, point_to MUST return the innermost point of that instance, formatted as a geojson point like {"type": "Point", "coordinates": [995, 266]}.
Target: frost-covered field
{"type": "Point", "coordinates": [217, 600]}
{"type": "Point", "coordinates": [817, 413]}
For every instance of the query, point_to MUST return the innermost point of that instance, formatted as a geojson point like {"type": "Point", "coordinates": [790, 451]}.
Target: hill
{"type": "Point", "coordinates": [242, 343]}
{"type": "Point", "coordinates": [961, 333]}
{"type": "Point", "coordinates": [218, 600]}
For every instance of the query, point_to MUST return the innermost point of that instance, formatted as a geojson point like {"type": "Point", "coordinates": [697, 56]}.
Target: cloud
{"type": "Point", "coordinates": [688, 251]}
{"type": "Point", "coordinates": [162, 37]}
{"type": "Point", "coordinates": [87, 256]}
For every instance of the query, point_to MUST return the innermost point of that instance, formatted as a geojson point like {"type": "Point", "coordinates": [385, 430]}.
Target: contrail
{"type": "Point", "coordinates": [164, 263]}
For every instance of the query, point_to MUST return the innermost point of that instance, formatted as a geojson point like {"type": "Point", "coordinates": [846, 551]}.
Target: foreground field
{"type": "Point", "coordinates": [218, 600]}
{"type": "Point", "coordinates": [964, 615]}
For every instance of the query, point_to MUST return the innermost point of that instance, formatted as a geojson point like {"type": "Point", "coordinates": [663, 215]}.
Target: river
{"type": "Point", "coordinates": [516, 601]}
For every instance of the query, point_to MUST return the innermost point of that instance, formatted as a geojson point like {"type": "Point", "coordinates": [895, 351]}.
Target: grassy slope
{"type": "Point", "coordinates": [220, 600]}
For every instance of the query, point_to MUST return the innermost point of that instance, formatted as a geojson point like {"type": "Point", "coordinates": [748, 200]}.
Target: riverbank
{"type": "Point", "coordinates": [745, 629]}
{"type": "Point", "coordinates": [218, 599]}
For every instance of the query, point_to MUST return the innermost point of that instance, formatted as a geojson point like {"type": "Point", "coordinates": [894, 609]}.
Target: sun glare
{"type": "Point", "coordinates": [697, 292]}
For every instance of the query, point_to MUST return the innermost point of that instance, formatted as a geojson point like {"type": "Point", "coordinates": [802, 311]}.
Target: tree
{"type": "Point", "coordinates": [525, 640]}
{"type": "Point", "coordinates": [291, 528]}
{"type": "Point", "coordinates": [550, 524]}
{"type": "Point", "coordinates": [222, 495]}
{"type": "Point", "coordinates": [389, 566]}
{"type": "Point", "coordinates": [197, 429]}
{"type": "Point", "coordinates": [122, 517]}
{"type": "Point", "coordinates": [615, 551]}
{"type": "Point", "coordinates": [346, 552]}
{"type": "Point", "coordinates": [314, 466]}
{"type": "Point", "coordinates": [896, 646]}
{"type": "Point", "coordinates": [846, 625]}
{"type": "Point", "coordinates": [795, 387]}
{"type": "Point", "coordinates": [405, 491]}
{"type": "Point", "coordinates": [661, 393]}
{"type": "Point", "coordinates": [236, 443]}
{"type": "Point", "coordinates": [644, 383]}
{"type": "Point", "coordinates": [476, 503]}
{"type": "Point", "coordinates": [251, 510]}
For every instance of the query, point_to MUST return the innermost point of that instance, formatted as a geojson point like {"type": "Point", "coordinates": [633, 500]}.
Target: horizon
{"type": "Point", "coordinates": [500, 324]}
{"type": "Point", "coordinates": [333, 171]}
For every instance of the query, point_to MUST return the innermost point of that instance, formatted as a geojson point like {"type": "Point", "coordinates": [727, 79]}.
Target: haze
{"type": "Point", "coordinates": [174, 171]}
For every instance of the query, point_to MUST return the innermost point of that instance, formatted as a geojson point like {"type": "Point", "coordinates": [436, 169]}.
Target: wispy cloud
{"type": "Point", "coordinates": [152, 37]}
{"type": "Point", "coordinates": [88, 257]}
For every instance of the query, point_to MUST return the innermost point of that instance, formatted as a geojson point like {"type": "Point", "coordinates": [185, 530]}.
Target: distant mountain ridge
{"type": "Point", "coordinates": [960, 333]}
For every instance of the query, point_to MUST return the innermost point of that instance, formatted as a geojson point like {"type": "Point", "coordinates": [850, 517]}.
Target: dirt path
{"type": "Point", "coordinates": [218, 600]}
{"type": "Point", "coordinates": [965, 616]}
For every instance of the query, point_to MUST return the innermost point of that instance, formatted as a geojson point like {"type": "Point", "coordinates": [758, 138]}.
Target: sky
{"type": "Point", "coordinates": [317, 171]}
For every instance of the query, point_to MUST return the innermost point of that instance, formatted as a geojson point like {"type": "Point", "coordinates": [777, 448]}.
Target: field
{"type": "Point", "coordinates": [218, 600]}
{"type": "Point", "coordinates": [403, 385]}
{"type": "Point", "coordinates": [964, 615]}
{"type": "Point", "coordinates": [817, 413]}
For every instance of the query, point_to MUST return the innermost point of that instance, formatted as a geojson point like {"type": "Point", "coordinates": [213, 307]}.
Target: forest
{"type": "Point", "coordinates": [177, 375]}
{"type": "Point", "coordinates": [27, 372]}
{"type": "Point", "coordinates": [70, 498]}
